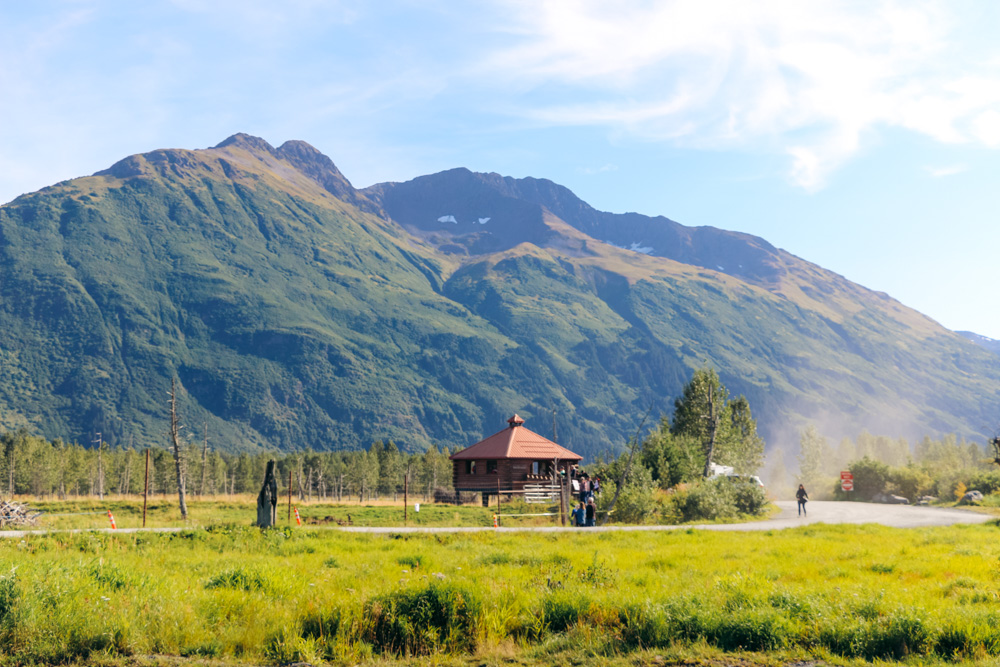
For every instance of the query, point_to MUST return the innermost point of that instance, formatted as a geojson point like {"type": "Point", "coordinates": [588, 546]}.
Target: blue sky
{"type": "Point", "coordinates": [862, 136]}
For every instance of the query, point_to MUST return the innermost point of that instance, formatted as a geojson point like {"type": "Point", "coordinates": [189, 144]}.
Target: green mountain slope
{"type": "Point", "coordinates": [299, 312]}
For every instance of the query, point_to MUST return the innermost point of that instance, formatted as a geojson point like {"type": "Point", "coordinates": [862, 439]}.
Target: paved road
{"type": "Point", "coordinates": [898, 516]}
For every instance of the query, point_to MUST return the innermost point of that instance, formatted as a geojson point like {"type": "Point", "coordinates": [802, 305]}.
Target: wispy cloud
{"type": "Point", "coordinates": [807, 79]}
{"type": "Point", "coordinates": [591, 171]}
{"type": "Point", "coordinates": [951, 170]}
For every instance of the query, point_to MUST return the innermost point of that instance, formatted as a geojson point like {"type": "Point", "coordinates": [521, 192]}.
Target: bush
{"type": "Point", "coordinates": [719, 498]}
{"type": "Point", "coordinates": [984, 481]}
{"type": "Point", "coordinates": [241, 578]}
{"type": "Point", "coordinates": [911, 482]}
{"type": "Point", "coordinates": [562, 610]}
{"type": "Point", "coordinates": [751, 499]}
{"type": "Point", "coordinates": [870, 477]}
{"type": "Point", "coordinates": [422, 620]}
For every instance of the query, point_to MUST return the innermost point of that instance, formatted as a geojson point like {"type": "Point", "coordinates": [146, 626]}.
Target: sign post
{"type": "Point", "coordinates": [846, 480]}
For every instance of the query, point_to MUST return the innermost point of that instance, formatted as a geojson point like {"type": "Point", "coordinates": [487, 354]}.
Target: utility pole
{"type": "Point", "coordinates": [554, 425]}
{"type": "Point", "coordinates": [175, 429]}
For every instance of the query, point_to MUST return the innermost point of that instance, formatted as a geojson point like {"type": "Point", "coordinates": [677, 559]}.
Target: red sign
{"type": "Point", "coordinates": [847, 474]}
{"type": "Point", "coordinates": [847, 484]}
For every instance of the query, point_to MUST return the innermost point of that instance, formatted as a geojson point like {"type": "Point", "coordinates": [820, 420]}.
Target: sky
{"type": "Point", "coordinates": [861, 136]}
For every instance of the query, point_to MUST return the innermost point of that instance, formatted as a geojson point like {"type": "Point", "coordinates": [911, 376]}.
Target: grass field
{"type": "Point", "coordinates": [235, 594]}
{"type": "Point", "coordinates": [163, 512]}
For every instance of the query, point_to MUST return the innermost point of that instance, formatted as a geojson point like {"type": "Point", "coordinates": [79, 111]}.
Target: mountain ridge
{"type": "Point", "coordinates": [298, 311]}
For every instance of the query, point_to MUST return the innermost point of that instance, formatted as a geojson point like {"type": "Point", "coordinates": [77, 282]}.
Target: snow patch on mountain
{"type": "Point", "coordinates": [635, 247]}
{"type": "Point", "coordinates": [483, 221]}
{"type": "Point", "coordinates": [448, 218]}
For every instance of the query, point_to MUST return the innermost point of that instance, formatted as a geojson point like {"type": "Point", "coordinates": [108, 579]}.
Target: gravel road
{"type": "Point", "coordinates": [897, 516]}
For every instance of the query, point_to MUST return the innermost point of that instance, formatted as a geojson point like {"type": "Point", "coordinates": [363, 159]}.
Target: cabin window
{"type": "Point", "coordinates": [470, 467]}
{"type": "Point", "coordinates": [534, 467]}
{"type": "Point", "coordinates": [491, 467]}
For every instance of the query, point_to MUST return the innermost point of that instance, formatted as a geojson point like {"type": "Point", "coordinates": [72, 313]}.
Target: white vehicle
{"type": "Point", "coordinates": [727, 471]}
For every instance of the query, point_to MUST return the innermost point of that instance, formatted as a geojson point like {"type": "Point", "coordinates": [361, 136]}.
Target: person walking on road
{"type": "Point", "coordinates": [802, 497]}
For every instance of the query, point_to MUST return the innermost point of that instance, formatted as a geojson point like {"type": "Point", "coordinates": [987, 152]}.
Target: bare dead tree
{"type": "Point", "coordinates": [204, 464]}
{"type": "Point", "coordinates": [100, 466]}
{"type": "Point", "coordinates": [267, 499]}
{"type": "Point", "coordinates": [713, 426]}
{"type": "Point", "coordinates": [620, 482]}
{"type": "Point", "coordinates": [175, 429]}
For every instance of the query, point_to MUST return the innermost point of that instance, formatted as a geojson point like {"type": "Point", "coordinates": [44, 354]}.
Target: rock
{"type": "Point", "coordinates": [926, 500]}
{"type": "Point", "coordinates": [889, 499]}
{"type": "Point", "coordinates": [971, 498]}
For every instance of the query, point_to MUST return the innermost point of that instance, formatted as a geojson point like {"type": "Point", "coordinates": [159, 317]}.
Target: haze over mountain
{"type": "Point", "coordinates": [298, 311]}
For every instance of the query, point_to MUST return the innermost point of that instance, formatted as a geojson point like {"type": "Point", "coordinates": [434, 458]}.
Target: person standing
{"type": "Point", "coordinates": [591, 513]}
{"type": "Point", "coordinates": [802, 497]}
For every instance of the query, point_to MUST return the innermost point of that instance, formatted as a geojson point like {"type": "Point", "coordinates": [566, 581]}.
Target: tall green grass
{"type": "Point", "coordinates": [281, 596]}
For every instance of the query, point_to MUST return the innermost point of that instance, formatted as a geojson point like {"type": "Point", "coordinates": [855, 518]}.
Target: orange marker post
{"type": "Point", "coordinates": [111, 518]}
{"type": "Point", "coordinates": [298, 519]}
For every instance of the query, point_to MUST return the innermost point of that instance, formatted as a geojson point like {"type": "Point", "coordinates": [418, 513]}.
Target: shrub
{"type": "Point", "coordinates": [637, 501]}
{"type": "Point", "coordinates": [708, 501]}
{"type": "Point", "coordinates": [419, 621]}
{"type": "Point", "coordinates": [984, 481]}
{"type": "Point", "coordinates": [910, 482]}
{"type": "Point", "coordinates": [750, 499]}
{"type": "Point", "coordinates": [719, 498]}
{"type": "Point", "coordinates": [241, 578]}
{"type": "Point", "coordinates": [562, 610]}
{"type": "Point", "coordinates": [10, 593]}
{"type": "Point", "coordinates": [414, 561]}
{"type": "Point", "coordinates": [110, 576]}
{"type": "Point", "coordinates": [870, 477]}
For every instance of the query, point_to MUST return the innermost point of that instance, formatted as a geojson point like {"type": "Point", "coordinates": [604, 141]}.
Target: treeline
{"type": "Point", "coordinates": [35, 466]}
{"type": "Point", "coordinates": [881, 464]}
{"type": "Point", "coordinates": [676, 455]}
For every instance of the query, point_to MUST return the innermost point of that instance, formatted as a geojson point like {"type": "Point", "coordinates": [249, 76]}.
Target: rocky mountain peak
{"type": "Point", "coordinates": [248, 142]}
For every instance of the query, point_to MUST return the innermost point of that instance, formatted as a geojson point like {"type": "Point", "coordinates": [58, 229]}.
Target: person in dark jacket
{"type": "Point", "coordinates": [591, 513]}
{"type": "Point", "coordinates": [802, 497]}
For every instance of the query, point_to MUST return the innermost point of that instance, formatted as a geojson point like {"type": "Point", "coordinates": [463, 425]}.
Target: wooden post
{"type": "Point", "coordinates": [289, 496]}
{"type": "Point", "coordinates": [405, 496]}
{"type": "Point", "coordinates": [498, 498]}
{"type": "Point", "coordinates": [145, 490]}
{"type": "Point", "coordinates": [562, 503]}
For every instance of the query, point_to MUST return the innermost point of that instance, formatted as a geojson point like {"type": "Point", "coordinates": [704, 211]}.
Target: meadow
{"type": "Point", "coordinates": [240, 509]}
{"type": "Point", "coordinates": [236, 594]}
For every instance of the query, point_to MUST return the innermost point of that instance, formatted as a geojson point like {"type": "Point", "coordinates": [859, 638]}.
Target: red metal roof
{"type": "Point", "coordinates": [516, 442]}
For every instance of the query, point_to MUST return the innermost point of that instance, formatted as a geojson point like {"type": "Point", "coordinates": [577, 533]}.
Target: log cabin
{"type": "Point", "coordinates": [509, 460]}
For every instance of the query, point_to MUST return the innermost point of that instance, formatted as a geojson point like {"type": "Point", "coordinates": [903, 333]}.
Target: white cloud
{"type": "Point", "coordinates": [986, 127]}
{"type": "Point", "coordinates": [807, 79]}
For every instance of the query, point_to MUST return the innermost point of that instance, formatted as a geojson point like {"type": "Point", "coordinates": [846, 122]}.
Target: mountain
{"type": "Point", "coordinates": [982, 341]}
{"type": "Point", "coordinates": [297, 311]}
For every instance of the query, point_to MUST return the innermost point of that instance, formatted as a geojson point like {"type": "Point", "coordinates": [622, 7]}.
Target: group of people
{"type": "Point", "coordinates": [585, 515]}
